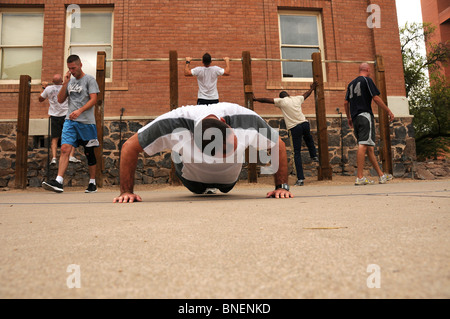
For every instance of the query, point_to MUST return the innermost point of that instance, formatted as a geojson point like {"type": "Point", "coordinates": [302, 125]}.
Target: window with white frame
{"type": "Point", "coordinates": [87, 32]}
{"type": "Point", "coordinates": [300, 37]}
{"type": "Point", "coordinates": [21, 40]}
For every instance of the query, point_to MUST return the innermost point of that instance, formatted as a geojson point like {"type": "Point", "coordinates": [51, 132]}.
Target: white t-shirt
{"type": "Point", "coordinates": [291, 106]}
{"type": "Point", "coordinates": [175, 131]}
{"type": "Point", "coordinates": [207, 81]}
{"type": "Point", "coordinates": [55, 109]}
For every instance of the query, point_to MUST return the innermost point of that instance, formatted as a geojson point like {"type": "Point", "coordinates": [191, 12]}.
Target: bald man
{"type": "Point", "coordinates": [358, 108]}
{"type": "Point", "coordinates": [57, 112]}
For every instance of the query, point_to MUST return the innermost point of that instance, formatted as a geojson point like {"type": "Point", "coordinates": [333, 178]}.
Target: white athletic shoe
{"type": "Point", "coordinates": [385, 178]}
{"type": "Point", "coordinates": [74, 160]}
{"type": "Point", "coordinates": [363, 181]}
{"type": "Point", "coordinates": [53, 162]}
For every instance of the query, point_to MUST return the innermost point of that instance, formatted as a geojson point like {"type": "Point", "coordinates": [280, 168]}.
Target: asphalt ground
{"type": "Point", "coordinates": [332, 240]}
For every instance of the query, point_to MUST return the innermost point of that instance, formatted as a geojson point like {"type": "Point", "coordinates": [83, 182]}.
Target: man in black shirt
{"type": "Point", "coordinates": [358, 108]}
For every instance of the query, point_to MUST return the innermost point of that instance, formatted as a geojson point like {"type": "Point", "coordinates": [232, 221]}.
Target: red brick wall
{"type": "Point", "coordinates": [438, 14]}
{"type": "Point", "coordinates": [152, 28]}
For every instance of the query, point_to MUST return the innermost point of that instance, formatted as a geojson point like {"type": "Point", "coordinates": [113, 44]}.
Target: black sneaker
{"type": "Point", "coordinates": [92, 188]}
{"type": "Point", "coordinates": [53, 186]}
{"type": "Point", "coordinates": [299, 182]}
{"type": "Point", "coordinates": [315, 159]}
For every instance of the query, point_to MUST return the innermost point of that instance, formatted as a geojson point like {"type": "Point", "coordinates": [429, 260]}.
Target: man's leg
{"type": "Point", "coordinates": [54, 146]}
{"type": "Point", "coordinates": [361, 159]}
{"type": "Point", "coordinates": [56, 185]}
{"type": "Point", "coordinates": [64, 159]}
{"type": "Point", "coordinates": [92, 170]}
{"type": "Point", "coordinates": [373, 160]}
{"type": "Point", "coordinates": [296, 133]}
{"type": "Point", "coordinates": [92, 164]}
{"type": "Point", "coordinates": [309, 141]}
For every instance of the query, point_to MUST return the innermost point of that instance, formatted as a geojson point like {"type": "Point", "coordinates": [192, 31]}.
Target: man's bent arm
{"type": "Point", "coordinates": [281, 176]}
{"type": "Point", "coordinates": [92, 101]}
{"type": "Point", "coordinates": [187, 69]}
{"type": "Point", "coordinates": [377, 99]}
{"type": "Point", "coordinates": [227, 66]}
{"type": "Point", "coordinates": [264, 100]}
{"type": "Point", "coordinates": [348, 114]}
{"type": "Point", "coordinates": [128, 162]}
{"type": "Point", "coordinates": [312, 88]}
{"type": "Point", "coordinates": [62, 94]}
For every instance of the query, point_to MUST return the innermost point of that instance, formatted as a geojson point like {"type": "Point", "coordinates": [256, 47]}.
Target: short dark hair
{"type": "Point", "coordinates": [283, 94]}
{"type": "Point", "coordinates": [209, 123]}
{"type": "Point", "coordinates": [73, 58]}
{"type": "Point", "coordinates": [206, 59]}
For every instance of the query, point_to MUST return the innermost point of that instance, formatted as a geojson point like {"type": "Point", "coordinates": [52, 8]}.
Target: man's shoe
{"type": "Point", "coordinates": [315, 159]}
{"type": "Point", "coordinates": [385, 178]}
{"type": "Point", "coordinates": [74, 160]}
{"type": "Point", "coordinates": [53, 186]}
{"type": "Point", "coordinates": [363, 181]}
{"type": "Point", "coordinates": [92, 188]}
{"type": "Point", "coordinates": [53, 162]}
{"type": "Point", "coordinates": [210, 191]}
{"type": "Point", "coordinates": [299, 182]}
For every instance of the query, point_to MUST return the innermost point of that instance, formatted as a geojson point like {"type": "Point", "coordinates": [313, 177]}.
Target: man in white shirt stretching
{"type": "Point", "coordinates": [207, 78]}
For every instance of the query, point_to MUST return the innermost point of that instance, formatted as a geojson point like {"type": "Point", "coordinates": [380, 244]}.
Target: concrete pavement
{"type": "Point", "coordinates": [330, 241]}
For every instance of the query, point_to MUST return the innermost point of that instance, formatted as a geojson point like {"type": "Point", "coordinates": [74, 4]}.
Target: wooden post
{"type": "Point", "coordinates": [99, 116]}
{"type": "Point", "coordinates": [324, 171]}
{"type": "Point", "coordinates": [248, 94]}
{"type": "Point", "coordinates": [173, 70]}
{"type": "Point", "coordinates": [385, 136]}
{"type": "Point", "coordinates": [173, 58]}
{"type": "Point", "coordinates": [23, 120]}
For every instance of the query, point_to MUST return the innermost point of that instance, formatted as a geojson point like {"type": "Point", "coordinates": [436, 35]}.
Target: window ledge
{"type": "Point", "coordinates": [14, 88]}
{"type": "Point", "coordinates": [291, 85]}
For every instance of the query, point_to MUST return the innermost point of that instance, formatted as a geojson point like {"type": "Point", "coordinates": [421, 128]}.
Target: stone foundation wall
{"type": "Point", "coordinates": [156, 168]}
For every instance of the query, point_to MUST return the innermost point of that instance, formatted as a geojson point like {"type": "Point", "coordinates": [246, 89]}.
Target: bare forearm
{"type": "Point", "coordinates": [227, 67]}
{"type": "Point", "coordinates": [89, 104]}
{"type": "Point", "coordinates": [187, 70]}
{"type": "Point", "coordinates": [381, 104]}
{"type": "Point", "coordinates": [264, 100]}
{"type": "Point", "coordinates": [128, 164]}
{"type": "Point", "coordinates": [281, 176]}
{"type": "Point", "coordinates": [62, 94]}
{"type": "Point", "coordinates": [347, 109]}
{"type": "Point", "coordinates": [307, 94]}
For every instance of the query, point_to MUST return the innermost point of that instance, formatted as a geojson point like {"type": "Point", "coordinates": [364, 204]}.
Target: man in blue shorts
{"type": "Point", "coordinates": [79, 126]}
{"type": "Point", "coordinates": [358, 108]}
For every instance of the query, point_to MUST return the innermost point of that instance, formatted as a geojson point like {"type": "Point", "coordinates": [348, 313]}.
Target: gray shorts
{"type": "Point", "coordinates": [364, 126]}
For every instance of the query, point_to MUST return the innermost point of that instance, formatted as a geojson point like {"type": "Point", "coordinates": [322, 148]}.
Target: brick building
{"type": "Point", "coordinates": [37, 36]}
{"type": "Point", "coordinates": [437, 12]}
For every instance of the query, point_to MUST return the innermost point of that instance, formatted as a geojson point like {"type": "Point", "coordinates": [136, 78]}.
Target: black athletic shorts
{"type": "Point", "coordinates": [206, 102]}
{"type": "Point", "coordinates": [56, 125]}
{"type": "Point", "coordinates": [364, 126]}
{"type": "Point", "coordinates": [197, 187]}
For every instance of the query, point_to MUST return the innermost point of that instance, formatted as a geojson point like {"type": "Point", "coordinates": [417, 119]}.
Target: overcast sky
{"type": "Point", "coordinates": [408, 11]}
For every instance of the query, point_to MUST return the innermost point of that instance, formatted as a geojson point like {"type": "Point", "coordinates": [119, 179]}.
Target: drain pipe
{"type": "Point", "coordinates": [342, 144]}
{"type": "Point", "coordinates": [120, 133]}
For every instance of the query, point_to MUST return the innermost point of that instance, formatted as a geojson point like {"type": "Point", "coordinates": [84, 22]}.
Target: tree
{"type": "Point", "coordinates": [429, 96]}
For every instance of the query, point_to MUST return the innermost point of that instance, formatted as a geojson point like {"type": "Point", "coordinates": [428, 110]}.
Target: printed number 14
{"type": "Point", "coordinates": [357, 90]}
